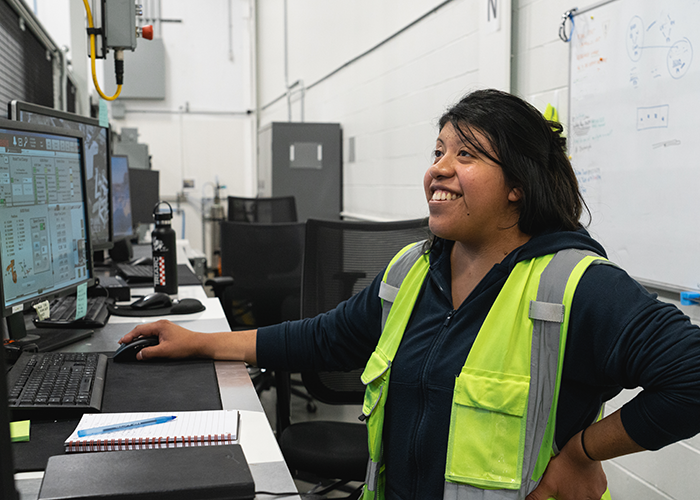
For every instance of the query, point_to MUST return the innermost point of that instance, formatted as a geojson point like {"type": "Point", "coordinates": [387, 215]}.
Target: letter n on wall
{"type": "Point", "coordinates": [493, 15]}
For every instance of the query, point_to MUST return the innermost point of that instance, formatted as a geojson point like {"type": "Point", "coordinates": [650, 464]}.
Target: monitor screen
{"type": "Point", "coordinates": [144, 194]}
{"type": "Point", "coordinates": [44, 245]}
{"type": "Point", "coordinates": [97, 172]}
{"type": "Point", "coordinates": [122, 221]}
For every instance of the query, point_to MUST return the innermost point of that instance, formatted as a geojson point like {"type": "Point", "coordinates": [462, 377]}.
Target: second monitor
{"type": "Point", "coordinates": [145, 193]}
{"type": "Point", "coordinates": [96, 154]}
{"type": "Point", "coordinates": [122, 219]}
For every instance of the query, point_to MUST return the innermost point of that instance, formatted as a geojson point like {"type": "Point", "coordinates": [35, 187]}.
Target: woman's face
{"type": "Point", "coordinates": [468, 198]}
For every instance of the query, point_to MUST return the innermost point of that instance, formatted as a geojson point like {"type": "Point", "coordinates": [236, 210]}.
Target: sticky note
{"type": "Point", "coordinates": [43, 310]}
{"type": "Point", "coordinates": [81, 301]}
{"type": "Point", "coordinates": [103, 115]}
{"type": "Point", "coordinates": [19, 431]}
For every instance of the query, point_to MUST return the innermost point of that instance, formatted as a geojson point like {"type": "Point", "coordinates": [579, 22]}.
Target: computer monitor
{"type": "Point", "coordinates": [45, 247]}
{"type": "Point", "coordinates": [96, 153]}
{"type": "Point", "coordinates": [122, 220]}
{"type": "Point", "coordinates": [145, 193]}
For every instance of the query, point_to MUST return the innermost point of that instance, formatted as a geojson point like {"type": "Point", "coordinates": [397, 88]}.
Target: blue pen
{"type": "Point", "coordinates": [125, 425]}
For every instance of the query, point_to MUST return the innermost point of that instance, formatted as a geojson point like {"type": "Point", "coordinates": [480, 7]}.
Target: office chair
{"type": "Point", "coordinates": [261, 264]}
{"type": "Point", "coordinates": [340, 259]}
{"type": "Point", "coordinates": [249, 210]}
{"type": "Point", "coordinates": [262, 210]}
{"type": "Point", "coordinates": [265, 263]}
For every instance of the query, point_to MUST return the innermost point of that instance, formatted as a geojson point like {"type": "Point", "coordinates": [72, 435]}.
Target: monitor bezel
{"type": "Point", "coordinates": [90, 280]}
{"type": "Point", "coordinates": [116, 238]}
{"type": "Point", "coordinates": [15, 108]}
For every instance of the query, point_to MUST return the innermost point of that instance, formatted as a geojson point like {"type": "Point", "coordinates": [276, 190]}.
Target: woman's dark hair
{"type": "Point", "coordinates": [530, 150]}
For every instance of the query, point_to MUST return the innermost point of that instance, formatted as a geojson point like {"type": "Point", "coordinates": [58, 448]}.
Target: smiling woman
{"type": "Point", "coordinates": [530, 151]}
{"type": "Point", "coordinates": [468, 197]}
{"type": "Point", "coordinates": [490, 349]}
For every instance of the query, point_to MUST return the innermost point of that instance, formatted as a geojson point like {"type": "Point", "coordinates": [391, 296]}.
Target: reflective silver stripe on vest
{"type": "Point", "coordinates": [395, 276]}
{"type": "Point", "coordinates": [455, 491]}
{"type": "Point", "coordinates": [372, 475]}
{"type": "Point", "coordinates": [548, 315]}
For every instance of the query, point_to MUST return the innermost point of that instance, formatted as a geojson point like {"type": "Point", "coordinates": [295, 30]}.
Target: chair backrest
{"type": "Point", "coordinates": [265, 261]}
{"type": "Point", "coordinates": [262, 210]}
{"type": "Point", "coordinates": [340, 259]}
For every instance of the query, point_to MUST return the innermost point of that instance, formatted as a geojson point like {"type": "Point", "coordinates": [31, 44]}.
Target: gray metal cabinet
{"type": "Point", "coordinates": [303, 160]}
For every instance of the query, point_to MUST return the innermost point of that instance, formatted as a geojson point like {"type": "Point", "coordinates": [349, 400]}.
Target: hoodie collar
{"type": "Point", "coordinates": [543, 244]}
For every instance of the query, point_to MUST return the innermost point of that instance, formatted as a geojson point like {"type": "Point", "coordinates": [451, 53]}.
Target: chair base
{"type": "Point", "coordinates": [323, 487]}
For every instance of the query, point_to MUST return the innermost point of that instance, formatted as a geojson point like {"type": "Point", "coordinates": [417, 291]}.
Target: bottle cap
{"type": "Point", "coordinates": [158, 215]}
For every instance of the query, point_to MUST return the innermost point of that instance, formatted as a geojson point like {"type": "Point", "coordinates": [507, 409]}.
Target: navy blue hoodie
{"type": "Point", "coordinates": [619, 337]}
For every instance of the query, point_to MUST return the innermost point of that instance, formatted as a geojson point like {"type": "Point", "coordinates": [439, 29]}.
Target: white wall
{"type": "Point", "coordinates": [388, 100]}
{"type": "Point", "coordinates": [201, 131]}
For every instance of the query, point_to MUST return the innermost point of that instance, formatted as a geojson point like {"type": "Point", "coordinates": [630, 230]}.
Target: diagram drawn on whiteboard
{"type": "Point", "coordinates": [679, 55]}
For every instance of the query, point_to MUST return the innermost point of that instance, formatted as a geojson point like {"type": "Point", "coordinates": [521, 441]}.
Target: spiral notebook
{"type": "Point", "coordinates": [188, 428]}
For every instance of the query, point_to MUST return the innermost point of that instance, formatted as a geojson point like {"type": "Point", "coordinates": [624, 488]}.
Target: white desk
{"type": "Point", "coordinates": [237, 392]}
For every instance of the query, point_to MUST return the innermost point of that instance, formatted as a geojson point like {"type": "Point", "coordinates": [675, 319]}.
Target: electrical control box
{"type": "Point", "coordinates": [120, 24]}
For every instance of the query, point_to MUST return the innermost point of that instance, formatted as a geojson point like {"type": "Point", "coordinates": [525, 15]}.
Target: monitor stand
{"type": "Point", "coordinates": [40, 339]}
{"type": "Point", "coordinates": [99, 260]}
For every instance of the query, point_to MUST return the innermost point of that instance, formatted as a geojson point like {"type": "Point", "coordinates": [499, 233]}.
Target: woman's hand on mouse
{"type": "Point", "coordinates": [178, 342]}
{"type": "Point", "coordinates": [174, 340]}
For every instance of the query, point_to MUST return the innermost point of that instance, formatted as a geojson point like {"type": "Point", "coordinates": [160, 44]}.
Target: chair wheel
{"type": "Point", "coordinates": [311, 407]}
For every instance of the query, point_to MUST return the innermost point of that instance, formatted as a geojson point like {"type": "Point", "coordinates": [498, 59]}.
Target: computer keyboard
{"type": "Point", "coordinates": [62, 313]}
{"type": "Point", "coordinates": [56, 384]}
{"type": "Point", "coordinates": [135, 273]}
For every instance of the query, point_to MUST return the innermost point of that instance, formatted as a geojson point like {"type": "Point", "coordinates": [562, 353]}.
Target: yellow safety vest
{"type": "Point", "coordinates": [509, 412]}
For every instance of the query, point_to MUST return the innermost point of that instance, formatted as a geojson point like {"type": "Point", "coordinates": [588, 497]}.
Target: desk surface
{"type": "Point", "coordinates": [237, 392]}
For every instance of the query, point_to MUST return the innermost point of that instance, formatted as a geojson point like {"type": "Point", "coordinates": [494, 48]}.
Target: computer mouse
{"type": "Point", "coordinates": [186, 306]}
{"type": "Point", "coordinates": [128, 352]}
{"type": "Point", "coordinates": [152, 301]}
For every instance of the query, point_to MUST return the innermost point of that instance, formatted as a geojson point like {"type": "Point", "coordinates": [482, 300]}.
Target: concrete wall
{"type": "Point", "coordinates": [385, 74]}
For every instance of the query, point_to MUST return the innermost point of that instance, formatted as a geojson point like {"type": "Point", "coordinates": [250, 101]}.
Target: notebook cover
{"type": "Point", "coordinates": [200, 473]}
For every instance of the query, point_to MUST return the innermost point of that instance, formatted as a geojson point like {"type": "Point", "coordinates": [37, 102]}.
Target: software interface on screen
{"type": "Point", "coordinates": [96, 168]}
{"type": "Point", "coordinates": [122, 222]}
{"type": "Point", "coordinates": [42, 215]}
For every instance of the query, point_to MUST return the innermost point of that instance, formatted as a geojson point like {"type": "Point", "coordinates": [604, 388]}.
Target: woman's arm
{"type": "Point", "coordinates": [178, 342]}
{"type": "Point", "coordinates": [573, 474]}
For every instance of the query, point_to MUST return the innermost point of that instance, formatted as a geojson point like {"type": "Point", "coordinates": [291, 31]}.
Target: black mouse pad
{"type": "Point", "coordinates": [130, 387]}
{"type": "Point", "coordinates": [160, 311]}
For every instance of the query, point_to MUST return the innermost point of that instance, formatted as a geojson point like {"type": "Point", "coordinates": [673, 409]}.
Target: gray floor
{"type": "Point", "coordinates": [299, 413]}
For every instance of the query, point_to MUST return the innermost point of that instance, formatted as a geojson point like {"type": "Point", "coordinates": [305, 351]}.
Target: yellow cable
{"type": "Point", "coordinates": [92, 58]}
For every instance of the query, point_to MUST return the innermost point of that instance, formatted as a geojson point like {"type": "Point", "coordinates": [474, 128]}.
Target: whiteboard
{"type": "Point", "coordinates": [634, 134]}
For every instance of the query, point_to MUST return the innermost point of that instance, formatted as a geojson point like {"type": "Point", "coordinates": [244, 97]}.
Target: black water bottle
{"type": "Point", "coordinates": [164, 251]}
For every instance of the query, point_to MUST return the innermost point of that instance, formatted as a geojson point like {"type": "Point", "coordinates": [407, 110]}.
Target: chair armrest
{"type": "Point", "coordinates": [219, 284]}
